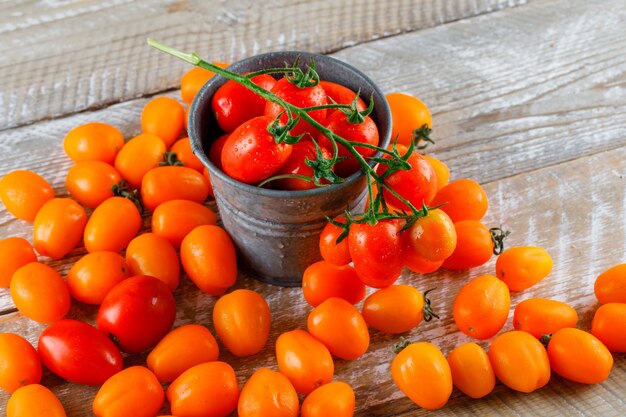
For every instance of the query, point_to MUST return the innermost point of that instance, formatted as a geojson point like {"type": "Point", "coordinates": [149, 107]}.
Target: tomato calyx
{"type": "Point", "coordinates": [353, 114]}
{"type": "Point", "coordinates": [170, 159]}
{"type": "Point", "coordinates": [121, 189]}
{"type": "Point", "coordinates": [420, 137]}
{"type": "Point", "coordinates": [545, 339]}
{"type": "Point", "coordinates": [498, 235]}
{"type": "Point", "coordinates": [401, 345]}
{"type": "Point", "coordinates": [429, 313]}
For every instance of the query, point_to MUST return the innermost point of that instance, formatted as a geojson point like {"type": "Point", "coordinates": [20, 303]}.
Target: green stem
{"type": "Point", "coordinates": [285, 176]}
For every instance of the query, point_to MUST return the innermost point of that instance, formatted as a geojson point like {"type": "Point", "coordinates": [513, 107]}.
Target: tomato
{"type": "Point", "coordinates": [215, 156]}
{"type": "Point", "coordinates": [524, 266]}
{"type": "Point", "coordinates": [19, 362]}
{"type": "Point", "coordinates": [333, 399]}
{"type": "Point", "coordinates": [78, 352]}
{"type": "Point", "coordinates": [341, 327]}
{"type": "Point", "coordinates": [137, 313]}
{"type": "Point", "coordinates": [471, 370]}
{"type": "Point", "coordinates": [132, 392]}
{"type": "Point", "coordinates": [268, 393]}
{"type": "Point", "coordinates": [93, 275]}
{"type": "Point", "coordinates": [112, 225]}
{"type": "Point", "coordinates": [579, 356]}
{"type": "Point", "coordinates": [482, 306]}
{"type": "Point", "coordinates": [208, 389]}
{"type": "Point", "coordinates": [462, 199]}
{"type": "Point", "coordinates": [296, 165]}
{"type": "Point", "coordinates": [151, 254]}
{"type": "Point", "coordinates": [519, 361]}
{"type": "Point", "coordinates": [331, 251]}
{"type": "Point", "coordinates": [610, 285]}
{"type": "Point", "coordinates": [541, 316]}
{"type": "Point", "coordinates": [299, 97]}
{"type": "Point", "coordinates": [90, 182]}
{"type": "Point", "coordinates": [422, 373]}
{"type": "Point", "coordinates": [250, 153]}
{"type": "Point", "coordinates": [339, 94]}
{"type": "Point", "coordinates": [609, 326]}
{"type": "Point", "coordinates": [416, 263]}
{"type": "Point", "coordinates": [193, 80]}
{"type": "Point", "coordinates": [377, 252]}
{"type": "Point", "coordinates": [184, 153]}
{"type": "Point", "coordinates": [199, 345]}
{"type": "Point", "coordinates": [304, 360]}
{"type": "Point", "coordinates": [58, 227]}
{"type": "Point", "coordinates": [242, 321]}
{"type": "Point", "coordinates": [34, 400]}
{"type": "Point", "coordinates": [164, 117]}
{"type": "Point", "coordinates": [138, 156]}
{"type": "Point", "coordinates": [23, 193]}
{"type": "Point", "coordinates": [407, 114]}
{"type": "Point", "coordinates": [442, 172]}
{"type": "Point", "coordinates": [93, 141]}
{"type": "Point", "coordinates": [168, 223]}
{"type": "Point", "coordinates": [474, 246]}
{"type": "Point", "coordinates": [40, 293]}
{"type": "Point", "coordinates": [364, 132]}
{"type": "Point", "coordinates": [395, 309]}
{"type": "Point", "coordinates": [322, 280]}
{"type": "Point", "coordinates": [208, 257]}
{"type": "Point", "coordinates": [418, 184]}
{"type": "Point", "coordinates": [433, 236]}
{"type": "Point", "coordinates": [172, 183]}
{"type": "Point", "coordinates": [15, 252]}
{"type": "Point", "coordinates": [234, 104]}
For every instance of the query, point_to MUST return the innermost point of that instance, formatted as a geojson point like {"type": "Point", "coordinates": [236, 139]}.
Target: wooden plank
{"type": "Point", "coordinates": [559, 220]}
{"type": "Point", "coordinates": [60, 57]}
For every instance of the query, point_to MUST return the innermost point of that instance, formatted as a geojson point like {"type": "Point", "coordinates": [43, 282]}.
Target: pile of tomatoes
{"type": "Point", "coordinates": [117, 182]}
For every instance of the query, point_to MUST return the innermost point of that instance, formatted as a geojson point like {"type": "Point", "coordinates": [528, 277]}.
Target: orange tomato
{"type": "Point", "coordinates": [90, 182]}
{"type": "Point", "coordinates": [164, 117]}
{"type": "Point", "coordinates": [167, 221]}
{"type": "Point", "coordinates": [209, 389]}
{"type": "Point", "coordinates": [541, 316]}
{"type": "Point", "coordinates": [462, 199]}
{"type": "Point", "coordinates": [93, 141]}
{"type": "Point", "coordinates": [418, 264]}
{"type": "Point", "coordinates": [610, 285]}
{"type": "Point", "coordinates": [151, 254]}
{"type": "Point", "coordinates": [609, 326]}
{"type": "Point", "coordinates": [193, 80]}
{"type": "Point", "coordinates": [333, 399]}
{"type": "Point", "coordinates": [482, 306]}
{"type": "Point", "coordinates": [242, 321]}
{"type": "Point", "coordinates": [520, 361]}
{"type": "Point", "coordinates": [579, 356]}
{"type": "Point", "coordinates": [132, 392]}
{"type": "Point", "coordinates": [199, 345]}
{"type": "Point", "coordinates": [407, 114]}
{"type": "Point", "coordinates": [184, 153]}
{"type": "Point", "coordinates": [422, 373]}
{"type": "Point", "coordinates": [432, 237]}
{"type": "Point", "coordinates": [208, 257]}
{"type": "Point", "coordinates": [15, 252]}
{"type": "Point", "coordinates": [112, 225]}
{"type": "Point", "coordinates": [341, 327]}
{"type": "Point", "coordinates": [58, 227]}
{"type": "Point", "coordinates": [522, 267]}
{"type": "Point", "coordinates": [394, 309]}
{"type": "Point", "coordinates": [304, 360]}
{"type": "Point", "coordinates": [322, 280]}
{"type": "Point", "coordinates": [40, 293]}
{"type": "Point", "coordinates": [19, 362]}
{"type": "Point", "coordinates": [138, 156]}
{"type": "Point", "coordinates": [23, 193]}
{"type": "Point", "coordinates": [34, 400]}
{"type": "Point", "coordinates": [331, 251]}
{"type": "Point", "coordinates": [442, 172]}
{"type": "Point", "coordinates": [471, 370]}
{"type": "Point", "coordinates": [167, 183]}
{"type": "Point", "coordinates": [268, 393]}
{"type": "Point", "coordinates": [474, 246]}
{"type": "Point", "coordinates": [93, 275]}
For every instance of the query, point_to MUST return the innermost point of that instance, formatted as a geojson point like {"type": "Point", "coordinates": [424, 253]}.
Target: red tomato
{"type": "Point", "coordinates": [93, 275]}
{"type": "Point", "coordinates": [167, 221]}
{"type": "Point", "coordinates": [610, 285]}
{"type": "Point", "coordinates": [15, 252]}
{"type": "Point", "coordinates": [609, 326]}
{"type": "Point", "coordinates": [432, 237]}
{"type": "Point", "coordinates": [299, 97]}
{"type": "Point", "coordinates": [90, 182]}
{"type": "Point", "coordinates": [19, 362]}
{"type": "Point", "coordinates": [137, 313]}
{"type": "Point", "coordinates": [167, 183]}
{"type": "Point", "coordinates": [151, 254]}
{"type": "Point", "coordinates": [112, 225]}
{"type": "Point", "coordinates": [34, 400]}
{"type": "Point", "coordinates": [164, 117]}
{"type": "Point", "coordinates": [184, 153]}
{"type": "Point", "coordinates": [234, 104]}
{"type": "Point", "coordinates": [138, 156]}
{"type": "Point", "coordinates": [333, 399]}
{"type": "Point", "coordinates": [474, 246]}
{"type": "Point", "coordinates": [322, 280]}
{"type": "Point", "coordinates": [250, 154]}
{"type": "Point", "coordinates": [78, 352]}
{"type": "Point", "coordinates": [268, 393]}
{"type": "Point", "coordinates": [377, 252]}
{"type": "Point", "coordinates": [462, 199]}
{"type": "Point", "coordinates": [296, 164]}
{"type": "Point", "coordinates": [93, 142]}
{"type": "Point", "coordinates": [58, 227]}
{"type": "Point", "coordinates": [331, 251]}
{"type": "Point", "coordinates": [341, 95]}
{"type": "Point", "coordinates": [23, 193]}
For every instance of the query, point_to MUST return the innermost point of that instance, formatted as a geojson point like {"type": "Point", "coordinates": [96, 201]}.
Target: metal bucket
{"type": "Point", "coordinates": [276, 232]}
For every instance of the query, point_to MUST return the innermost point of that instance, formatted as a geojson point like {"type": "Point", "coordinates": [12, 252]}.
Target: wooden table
{"type": "Point", "coordinates": [528, 98]}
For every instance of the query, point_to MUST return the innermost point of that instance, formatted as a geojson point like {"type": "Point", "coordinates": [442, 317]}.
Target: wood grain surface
{"type": "Point", "coordinates": [529, 101]}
